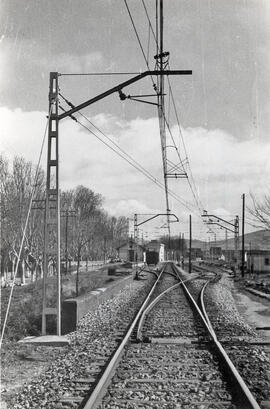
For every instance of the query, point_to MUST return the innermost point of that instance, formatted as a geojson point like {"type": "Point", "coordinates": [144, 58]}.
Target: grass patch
{"type": "Point", "coordinates": [26, 306]}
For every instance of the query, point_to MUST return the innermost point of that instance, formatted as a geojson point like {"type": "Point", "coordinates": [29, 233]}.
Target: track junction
{"type": "Point", "coordinates": [174, 349]}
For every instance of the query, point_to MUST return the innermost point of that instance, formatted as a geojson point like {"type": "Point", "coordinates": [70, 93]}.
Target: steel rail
{"type": "Point", "coordinates": [99, 390]}
{"type": "Point", "coordinates": [153, 303]}
{"type": "Point", "coordinates": [250, 401]}
{"type": "Point", "coordinates": [149, 308]}
{"type": "Point", "coordinates": [204, 310]}
{"type": "Point", "coordinates": [195, 305]}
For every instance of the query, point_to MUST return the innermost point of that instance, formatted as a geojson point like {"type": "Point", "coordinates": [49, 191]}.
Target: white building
{"type": "Point", "coordinates": [258, 261]}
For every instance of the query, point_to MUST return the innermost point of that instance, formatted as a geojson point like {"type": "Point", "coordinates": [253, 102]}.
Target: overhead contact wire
{"type": "Point", "coordinates": [136, 164]}
{"type": "Point", "coordinates": [139, 41]}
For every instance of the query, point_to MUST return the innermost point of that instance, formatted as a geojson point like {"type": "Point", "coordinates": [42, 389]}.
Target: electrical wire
{"type": "Point", "coordinates": [70, 74]}
{"type": "Point", "coordinates": [106, 136]}
{"type": "Point", "coordinates": [195, 192]}
{"type": "Point", "coordinates": [139, 41]}
{"type": "Point", "coordinates": [128, 159]}
{"type": "Point", "coordinates": [193, 189]}
{"type": "Point", "coordinates": [182, 163]}
{"type": "Point", "coordinates": [150, 24]}
{"type": "Point", "coordinates": [139, 168]}
{"type": "Point", "coordinates": [25, 227]}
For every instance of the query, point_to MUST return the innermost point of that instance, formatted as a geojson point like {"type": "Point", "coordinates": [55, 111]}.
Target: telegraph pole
{"type": "Point", "coordinates": [236, 238]}
{"type": "Point", "coordinates": [226, 244]}
{"type": "Point", "coordinates": [243, 236]}
{"type": "Point", "coordinates": [67, 214]}
{"type": "Point", "coordinates": [136, 243]}
{"type": "Point", "coordinates": [190, 244]}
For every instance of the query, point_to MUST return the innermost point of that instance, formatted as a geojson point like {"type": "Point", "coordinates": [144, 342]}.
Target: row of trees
{"type": "Point", "coordinates": [87, 231]}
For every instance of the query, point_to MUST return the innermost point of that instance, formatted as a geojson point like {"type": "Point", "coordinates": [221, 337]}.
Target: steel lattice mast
{"type": "Point", "coordinates": [161, 113]}
{"type": "Point", "coordinates": [52, 207]}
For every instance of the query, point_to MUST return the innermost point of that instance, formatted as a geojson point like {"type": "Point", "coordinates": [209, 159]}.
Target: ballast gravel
{"type": "Point", "coordinates": [238, 338]}
{"type": "Point", "coordinates": [93, 342]}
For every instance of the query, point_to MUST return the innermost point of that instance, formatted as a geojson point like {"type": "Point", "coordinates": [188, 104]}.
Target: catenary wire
{"type": "Point", "coordinates": [150, 24]}
{"type": "Point", "coordinates": [184, 145]}
{"type": "Point", "coordinates": [136, 165]}
{"type": "Point", "coordinates": [194, 191]}
{"type": "Point", "coordinates": [139, 41]}
{"type": "Point", "coordinates": [96, 73]}
{"type": "Point", "coordinates": [200, 208]}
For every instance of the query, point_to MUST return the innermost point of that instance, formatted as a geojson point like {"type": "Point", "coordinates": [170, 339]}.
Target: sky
{"type": "Point", "coordinates": [223, 107]}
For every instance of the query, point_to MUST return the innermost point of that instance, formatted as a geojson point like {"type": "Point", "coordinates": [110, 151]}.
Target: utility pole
{"type": "Point", "coordinates": [182, 245]}
{"type": "Point", "coordinates": [234, 227]}
{"type": "Point", "coordinates": [52, 225]}
{"type": "Point", "coordinates": [67, 214]}
{"type": "Point", "coordinates": [161, 112]}
{"type": "Point", "coordinates": [179, 247]}
{"type": "Point", "coordinates": [226, 244]}
{"type": "Point", "coordinates": [236, 237]}
{"type": "Point", "coordinates": [52, 208]}
{"type": "Point", "coordinates": [136, 243]}
{"type": "Point", "coordinates": [190, 244]}
{"type": "Point", "coordinates": [243, 235]}
{"type": "Point", "coordinates": [105, 249]}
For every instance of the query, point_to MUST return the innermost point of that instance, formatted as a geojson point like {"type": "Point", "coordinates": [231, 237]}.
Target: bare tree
{"type": "Point", "coordinates": [87, 205]}
{"type": "Point", "coordinates": [92, 233]}
{"type": "Point", "coordinates": [260, 211]}
{"type": "Point", "coordinates": [16, 186]}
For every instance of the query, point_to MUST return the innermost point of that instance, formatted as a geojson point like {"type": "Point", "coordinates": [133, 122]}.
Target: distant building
{"type": "Point", "coordinates": [258, 261]}
{"type": "Point", "coordinates": [196, 253]}
{"type": "Point", "coordinates": [215, 252]}
{"type": "Point", "coordinates": [231, 256]}
{"type": "Point", "coordinates": [155, 252]}
{"type": "Point", "coordinates": [130, 251]}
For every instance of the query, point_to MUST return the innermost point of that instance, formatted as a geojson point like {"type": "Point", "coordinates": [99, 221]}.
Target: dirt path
{"type": "Point", "coordinates": [254, 309]}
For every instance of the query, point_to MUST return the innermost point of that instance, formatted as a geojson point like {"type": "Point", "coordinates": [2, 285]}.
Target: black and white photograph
{"type": "Point", "coordinates": [135, 204]}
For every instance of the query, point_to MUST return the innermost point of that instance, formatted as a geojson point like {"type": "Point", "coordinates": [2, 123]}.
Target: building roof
{"type": "Point", "coordinates": [154, 244]}
{"type": "Point", "coordinates": [128, 243]}
{"type": "Point", "coordinates": [258, 252]}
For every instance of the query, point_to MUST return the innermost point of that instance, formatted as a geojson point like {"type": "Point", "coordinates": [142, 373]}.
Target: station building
{"type": "Point", "coordinates": [258, 261]}
{"type": "Point", "coordinates": [215, 252]}
{"type": "Point", "coordinates": [196, 253]}
{"type": "Point", "coordinates": [155, 252]}
{"type": "Point", "coordinates": [130, 251]}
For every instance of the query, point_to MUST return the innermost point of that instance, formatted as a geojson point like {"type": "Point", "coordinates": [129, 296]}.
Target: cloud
{"type": "Point", "coordinates": [36, 60]}
{"type": "Point", "coordinates": [223, 167]}
{"type": "Point", "coordinates": [130, 207]}
{"type": "Point", "coordinates": [74, 63]}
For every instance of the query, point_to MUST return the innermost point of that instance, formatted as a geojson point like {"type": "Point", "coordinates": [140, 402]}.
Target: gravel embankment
{"type": "Point", "coordinates": [175, 370]}
{"type": "Point", "coordinates": [172, 315]}
{"type": "Point", "coordinates": [223, 313]}
{"type": "Point", "coordinates": [95, 340]}
{"type": "Point", "coordinates": [238, 338]}
{"type": "Point", "coordinates": [91, 344]}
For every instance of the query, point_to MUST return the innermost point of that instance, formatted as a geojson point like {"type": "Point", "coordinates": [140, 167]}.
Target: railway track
{"type": "Point", "coordinates": [169, 358]}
